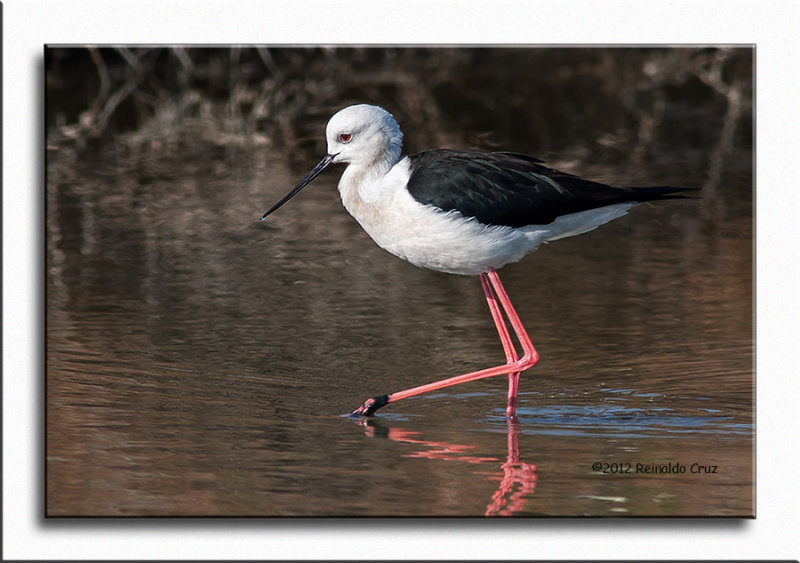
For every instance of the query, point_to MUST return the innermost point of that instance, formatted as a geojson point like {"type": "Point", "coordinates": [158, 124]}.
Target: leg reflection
{"type": "Point", "coordinates": [517, 480]}
{"type": "Point", "coordinates": [506, 500]}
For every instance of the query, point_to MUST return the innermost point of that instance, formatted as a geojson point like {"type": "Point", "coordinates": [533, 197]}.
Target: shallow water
{"type": "Point", "coordinates": [199, 362]}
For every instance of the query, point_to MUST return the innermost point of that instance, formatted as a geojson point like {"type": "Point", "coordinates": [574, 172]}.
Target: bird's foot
{"type": "Point", "coordinates": [371, 405]}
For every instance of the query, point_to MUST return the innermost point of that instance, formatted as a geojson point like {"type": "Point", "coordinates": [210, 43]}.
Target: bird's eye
{"type": "Point", "coordinates": [345, 137]}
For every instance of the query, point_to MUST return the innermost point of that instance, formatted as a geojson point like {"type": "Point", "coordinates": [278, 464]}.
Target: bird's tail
{"type": "Point", "coordinates": [651, 193]}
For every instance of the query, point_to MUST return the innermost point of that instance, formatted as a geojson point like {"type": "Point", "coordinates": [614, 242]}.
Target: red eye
{"type": "Point", "coordinates": [345, 137]}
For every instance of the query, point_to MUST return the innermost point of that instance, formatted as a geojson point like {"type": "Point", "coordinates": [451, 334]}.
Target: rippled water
{"type": "Point", "coordinates": [199, 362]}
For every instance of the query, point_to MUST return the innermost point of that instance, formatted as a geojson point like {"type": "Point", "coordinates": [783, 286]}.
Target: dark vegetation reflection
{"type": "Point", "coordinates": [197, 360]}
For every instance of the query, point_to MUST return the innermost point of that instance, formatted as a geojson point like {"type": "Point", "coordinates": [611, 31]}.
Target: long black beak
{"type": "Point", "coordinates": [323, 164]}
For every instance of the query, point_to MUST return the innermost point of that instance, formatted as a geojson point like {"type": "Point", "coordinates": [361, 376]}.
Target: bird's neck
{"type": "Point", "coordinates": [362, 188]}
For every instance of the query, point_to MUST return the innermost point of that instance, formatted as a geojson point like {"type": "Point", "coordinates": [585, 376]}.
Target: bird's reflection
{"type": "Point", "coordinates": [509, 498]}
{"type": "Point", "coordinates": [517, 479]}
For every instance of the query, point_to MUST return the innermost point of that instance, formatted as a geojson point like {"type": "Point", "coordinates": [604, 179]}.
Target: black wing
{"type": "Point", "coordinates": [502, 188]}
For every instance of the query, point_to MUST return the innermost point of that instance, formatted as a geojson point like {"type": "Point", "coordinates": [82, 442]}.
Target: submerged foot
{"type": "Point", "coordinates": [371, 405]}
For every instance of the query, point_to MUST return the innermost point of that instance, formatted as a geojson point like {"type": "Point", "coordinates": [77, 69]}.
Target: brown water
{"type": "Point", "coordinates": [199, 362]}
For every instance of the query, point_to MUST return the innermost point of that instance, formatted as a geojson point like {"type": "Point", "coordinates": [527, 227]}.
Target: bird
{"type": "Point", "coordinates": [465, 212]}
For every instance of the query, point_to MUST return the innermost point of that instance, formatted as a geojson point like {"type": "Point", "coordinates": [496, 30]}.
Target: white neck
{"type": "Point", "coordinates": [361, 183]}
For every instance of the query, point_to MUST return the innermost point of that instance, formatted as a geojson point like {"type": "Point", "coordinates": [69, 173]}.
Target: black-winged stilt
{"type": "Point", "coordinates": [462, 212]}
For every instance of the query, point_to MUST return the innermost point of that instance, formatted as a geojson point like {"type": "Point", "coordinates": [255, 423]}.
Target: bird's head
{"type": "Point", "coordinates": [361, 135]}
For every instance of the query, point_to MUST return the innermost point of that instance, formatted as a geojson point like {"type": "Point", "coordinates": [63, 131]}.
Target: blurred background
{"type": "Point", "coordinates": [279, 96]}
{"type": "Point", "coordinates": [197, 360]}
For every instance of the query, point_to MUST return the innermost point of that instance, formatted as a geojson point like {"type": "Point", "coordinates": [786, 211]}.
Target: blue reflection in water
{"type": "Point", "coordinates": [619, 421]}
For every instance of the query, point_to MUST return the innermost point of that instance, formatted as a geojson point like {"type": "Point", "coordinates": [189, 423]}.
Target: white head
{"type": "Point", "coordinates": [364, 134]}
{"type": "Point", "coordinates": [361, 135]}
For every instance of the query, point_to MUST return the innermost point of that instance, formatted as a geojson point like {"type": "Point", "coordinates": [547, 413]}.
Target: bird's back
{"type": "Point", "coordinates": [514, 190]}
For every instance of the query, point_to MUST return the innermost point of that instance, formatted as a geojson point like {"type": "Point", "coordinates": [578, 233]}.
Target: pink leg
{"type": "Point", "coordinates": [530, 356]}
{"type": "Point", "coordinates": [494, 292]}
{"type": "Point", "coordinates": [505, 339]}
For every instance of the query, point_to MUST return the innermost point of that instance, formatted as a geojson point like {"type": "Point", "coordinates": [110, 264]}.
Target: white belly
{"type": "Point", "coordinates": [448, 242]}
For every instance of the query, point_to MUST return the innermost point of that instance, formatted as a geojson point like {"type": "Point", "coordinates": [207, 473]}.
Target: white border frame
{"type": "Point", "coordinates": [771, 25]}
